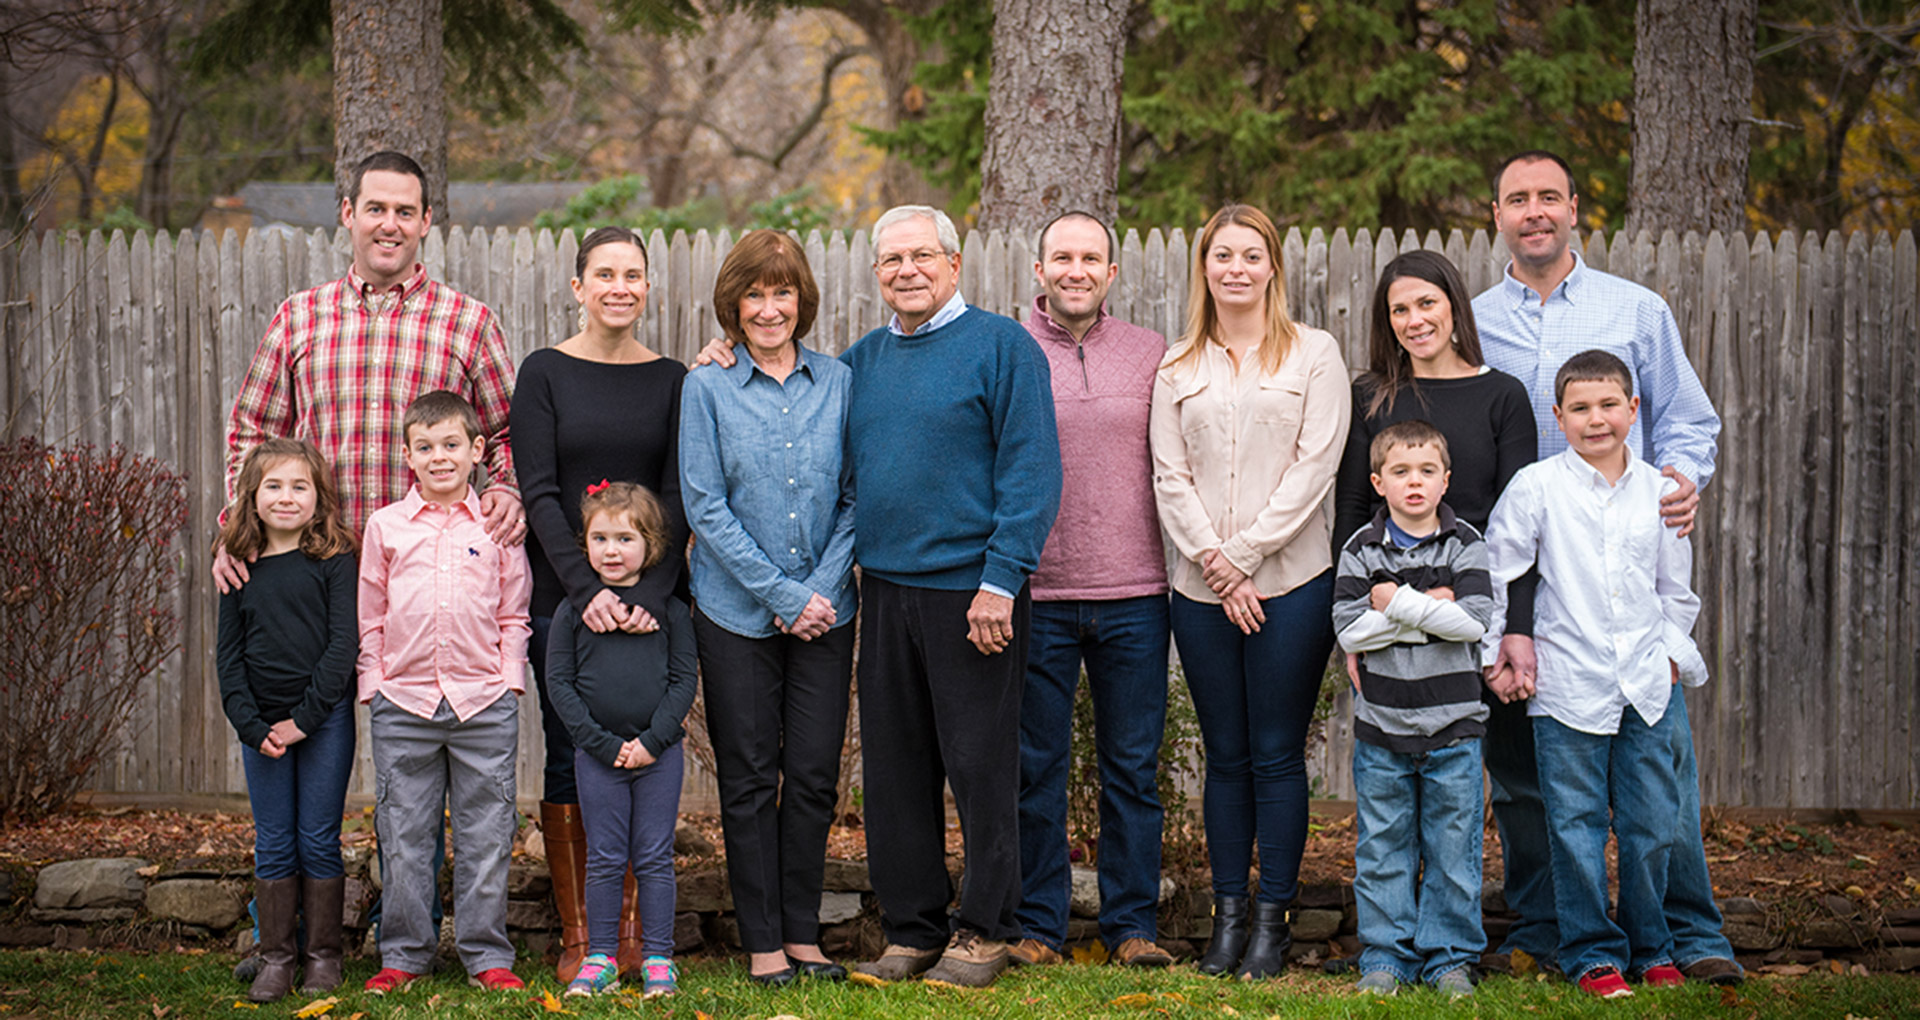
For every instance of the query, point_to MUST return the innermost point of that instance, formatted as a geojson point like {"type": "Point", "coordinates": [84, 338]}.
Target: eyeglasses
{"type": "Point", "coordinates": [922, 259]}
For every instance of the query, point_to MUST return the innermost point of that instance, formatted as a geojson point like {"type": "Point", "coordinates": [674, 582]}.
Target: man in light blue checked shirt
{"type": "Point", "coordinates": [1548, 306]}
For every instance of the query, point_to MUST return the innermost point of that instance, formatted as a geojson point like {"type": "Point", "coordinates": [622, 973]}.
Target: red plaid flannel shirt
{"type": "Point", "coordinates": [338, 366]}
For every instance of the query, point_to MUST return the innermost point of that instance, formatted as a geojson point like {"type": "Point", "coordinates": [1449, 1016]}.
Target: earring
{"type": "Point", "coordinates": [583, 318]}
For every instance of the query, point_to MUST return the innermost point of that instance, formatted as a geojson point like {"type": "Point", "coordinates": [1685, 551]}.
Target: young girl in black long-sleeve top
{"type": "Point", "coordinates": [286, 648]}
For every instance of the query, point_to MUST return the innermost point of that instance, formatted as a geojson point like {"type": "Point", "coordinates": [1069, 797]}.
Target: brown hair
{"type": "Point", "coordinates": [391, 162]}
{"type": "Point", "coordinates": [770, 257]}
{"type": "Point", "coordinates": [639, 506]}
{"type": "Point", "coordinates": [430, 409]}
{"type": "Point", "coordinates": [605, 236]}
{"type": "Point", "coordinates": [1203, 320]}
{"type": "Point", "coordinates": [1412, 432]}
{"type": "Point", "coordinates": [328, 534]}
{"type": "Point", "coordinates": [1389, 368]}
{"type": "Point", "coordinates": [1592, 366]}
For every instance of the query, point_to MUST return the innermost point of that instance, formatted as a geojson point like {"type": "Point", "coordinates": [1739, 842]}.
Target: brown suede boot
{"type": "Point", "coordinates": [630, 954]}
{"type": "Point", "coordinates": [277, 900]}
{"type": "Point", "coordinates": [566, 840]}
{"type": "Point", "coordinates": [321, 899]}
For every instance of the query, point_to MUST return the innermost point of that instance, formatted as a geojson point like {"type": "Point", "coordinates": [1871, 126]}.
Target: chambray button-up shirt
{"type": "Point", "coordinates": [1530, 340]}
{"type": "Point", "coordinates": [767, 492]}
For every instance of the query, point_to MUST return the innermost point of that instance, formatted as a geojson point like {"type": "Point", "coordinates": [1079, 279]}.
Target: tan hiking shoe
{"type": "Point", "coordinates": [1139, 952]}
{"type": "Point", "coordinates": [971, 961]}
{"type": "Point", "coordinates": [897, 963]}
{"type": "Point", "coordinates": [1033, 953]}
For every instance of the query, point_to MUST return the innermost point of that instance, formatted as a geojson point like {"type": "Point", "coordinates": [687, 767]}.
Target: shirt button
{"type": "Point", "coordinates": [789, 481]}
{"type": "Point", "coordinates": [791, 516]}
{"type": "Point", "coordinates": [789, 446]}
{"type": "Point", "coordinates": [785, 410]}
{"type": "Point", "coordinates": [794, 551]}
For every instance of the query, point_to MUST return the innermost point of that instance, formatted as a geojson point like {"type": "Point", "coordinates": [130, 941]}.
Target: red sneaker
{"type": "Point", "coordinates": [390, 980]}
{"type": "Point", "coordinates": [1664, 975]}
{"type": "Point", "coordinates": [1605, 982]}
{"type": "Point", "coordinates": [497, 979]}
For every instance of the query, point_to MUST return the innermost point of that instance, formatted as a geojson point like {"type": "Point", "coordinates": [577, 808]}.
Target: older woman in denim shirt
{"type": "Point", "coordinates": [771, 508]}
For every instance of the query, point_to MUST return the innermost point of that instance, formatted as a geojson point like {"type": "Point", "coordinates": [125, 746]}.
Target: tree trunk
{"type": "Point", "coordinates": [1053, 111]}
{"type": "Point", "coordinates": [1692, 107]}
{"type": "Point", "coordinates": [390, 88]}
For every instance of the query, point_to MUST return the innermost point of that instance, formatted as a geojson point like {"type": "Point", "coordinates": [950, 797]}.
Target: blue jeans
{"type": "Point", "coordinates": [1584, 776]}
{"type": "Point", "coordinates": [1254, 696]}
{"type": "Point", "coordinates": [1124, 645]}
{"type": "Point", "coordinates": [1417, 922]}
{"type": "Point", "coordinates": [1522, 815]}
{"type": "Point", "coordinates": [1692, 915]}
{"type": "Point", "coordinates": [629, 815]}
{"type": "Point", "coordinates": [298, 799]}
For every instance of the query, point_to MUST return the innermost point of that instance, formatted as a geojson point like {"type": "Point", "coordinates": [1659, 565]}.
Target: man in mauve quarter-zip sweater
{"type": "Point", "coordinates": [1099, 599]}
{"type": "Point", "coordinates": [956, 478]}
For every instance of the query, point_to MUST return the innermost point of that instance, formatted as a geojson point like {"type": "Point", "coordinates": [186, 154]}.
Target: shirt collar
{"type": "Point", "coordinates": [1569, 288]}
{"type": "Point", "coordinates": [953, 309]}
{"type": "Point", "coordinates": [407, 288]}
{"type": "Point", "coordinates": [415, 504]}
{"type": "Point", "coordinates": [1376, 533]}
{"type": "Point", "coordinates": [1048, 329]}
{"type": "Point", "coordinates": [1591, 476]}
{"type": "Point", "coordinates": [743, 369]}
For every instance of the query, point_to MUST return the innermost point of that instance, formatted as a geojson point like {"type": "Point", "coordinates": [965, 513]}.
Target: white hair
{"type": "Point", "coordinates": [942, 224]}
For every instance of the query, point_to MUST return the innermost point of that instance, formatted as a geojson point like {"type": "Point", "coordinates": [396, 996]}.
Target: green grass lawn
{"type": "Point", "coordinates": [45, 983]}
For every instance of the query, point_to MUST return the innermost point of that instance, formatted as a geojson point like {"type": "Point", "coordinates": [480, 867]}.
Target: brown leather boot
{"type": "Point", "coordinates": [321, 899]}
{"type": "Point", "coordinates": [630, 954]}
{"type": "Point", "coordinates": [277, 900]}
{"type": "Point", "coordinates": [566, 840]}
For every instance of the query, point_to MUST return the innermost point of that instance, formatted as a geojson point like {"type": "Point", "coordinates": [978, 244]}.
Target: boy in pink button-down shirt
{"type": "Point", "coordinates": [443, 641]}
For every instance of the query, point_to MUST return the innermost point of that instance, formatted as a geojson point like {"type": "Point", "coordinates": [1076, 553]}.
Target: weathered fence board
{"type": "Point", "coordinates": [1807, 344]}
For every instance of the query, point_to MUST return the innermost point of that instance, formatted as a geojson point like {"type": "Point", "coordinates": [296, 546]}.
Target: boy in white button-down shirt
{"type": "Point", "coordinates": [1611, 627]}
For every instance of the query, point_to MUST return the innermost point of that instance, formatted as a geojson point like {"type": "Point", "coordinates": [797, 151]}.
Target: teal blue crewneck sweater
{"type": "Point", "coordinates": [956, 464]}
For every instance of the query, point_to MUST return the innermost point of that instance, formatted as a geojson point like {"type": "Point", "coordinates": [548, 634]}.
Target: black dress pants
{"type": "Point", "coordinates": [934, 710]}
{"type": "Point", "coordinates": [777, 715]}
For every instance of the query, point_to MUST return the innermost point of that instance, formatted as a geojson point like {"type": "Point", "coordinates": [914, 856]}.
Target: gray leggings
{"type": "Point", "coordinates": [629, 815]}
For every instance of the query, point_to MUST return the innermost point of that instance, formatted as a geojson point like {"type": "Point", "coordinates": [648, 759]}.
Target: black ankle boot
{"type": "Point", "coordinates": [1270, 937]}
{"type": "Point", "coordinates": [1229, 939]}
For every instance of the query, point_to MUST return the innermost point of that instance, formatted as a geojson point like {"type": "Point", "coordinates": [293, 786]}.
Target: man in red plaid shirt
{"type": "Point", "coordinates": [340, 362]}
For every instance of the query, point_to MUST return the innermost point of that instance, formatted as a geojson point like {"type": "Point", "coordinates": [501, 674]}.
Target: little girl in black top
{"type": "Point", "coordinates": [623, 696]}
{"type": "Point", "coordinates": [287, 643]}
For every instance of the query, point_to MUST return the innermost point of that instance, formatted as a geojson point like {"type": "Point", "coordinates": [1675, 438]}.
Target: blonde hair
{"type": "Point", "coordinates": [1203, 319]}
{"type": "Point", "coordinates": [243, 535]}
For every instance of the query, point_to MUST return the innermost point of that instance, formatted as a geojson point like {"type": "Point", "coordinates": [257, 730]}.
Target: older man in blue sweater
{"type": "Point", "coordinates": [956, 469]}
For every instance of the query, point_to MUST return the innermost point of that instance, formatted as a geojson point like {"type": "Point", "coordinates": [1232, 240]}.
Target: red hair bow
{"type": "Point", "coordinates": [595, 490]}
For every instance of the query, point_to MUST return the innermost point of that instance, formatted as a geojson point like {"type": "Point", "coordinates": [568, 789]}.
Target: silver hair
{"type": "Point", "coordinates": [942, 224]}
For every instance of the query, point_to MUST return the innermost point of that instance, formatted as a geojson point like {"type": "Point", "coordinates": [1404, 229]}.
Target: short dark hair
{"type": "Point", "coordinates": [1113, 251]}
{"type": "Point", "coordinates": [641, 507]}
{"type": "Point", "coordinates": [1534, 156]}
{"type": "Point", "coordinates": [764, 256]}
{"type": "Point", "coordinates": [604, 236]}
{"type": "Point", "coordinates": [1412, 432]}
{"type": "Point", "coordinates": [1591, 366]}
{"type": "Point", "coordinates": [392, 162]}
{"type": "Point", "coordinates": [430, 409]}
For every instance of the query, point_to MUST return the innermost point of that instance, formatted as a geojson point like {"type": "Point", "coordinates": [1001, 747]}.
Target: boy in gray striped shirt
{"type": "Point", "coordinates": [1413, 598]}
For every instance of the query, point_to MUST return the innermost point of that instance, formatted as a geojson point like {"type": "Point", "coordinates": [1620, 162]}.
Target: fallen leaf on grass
{"type": "Point", "coordinates": [1134, 1000]}
{"type": "Point", "coordinates": [1092, 952]}
{"type": "Point", "coordinates": [1786, 969]}
{"type": "Point", "coordinates": [1731, 999]}
{"type": "Point", "coordinates": [160, 1011]}
{"type": "Point", "coordinates": [435, 1001]}
{"type": "Point", "coordinates": [702, 1015]}
{"type": "Point", "coordinates": [237, 1004]}
{"type": "Point", "coordinates": [551, 1004]}
{"type": "Point", "coordinates": [1523, 963]}
{"type": "Point", "coordinates": [318, 1007]}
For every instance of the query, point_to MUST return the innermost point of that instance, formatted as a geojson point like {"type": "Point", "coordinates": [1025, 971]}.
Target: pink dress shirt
{"type": "Point", "coordinates": [443, 610]}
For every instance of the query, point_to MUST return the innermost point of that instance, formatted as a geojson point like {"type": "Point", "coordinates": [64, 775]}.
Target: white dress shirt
{"type": "Point", "coordinates": [1614, 603]}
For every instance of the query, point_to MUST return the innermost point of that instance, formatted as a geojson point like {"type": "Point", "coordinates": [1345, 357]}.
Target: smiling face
{"type": "Point", "coordinates": [285, 501]}
{"type": "Point", "coordinates": [613, 287]}
{"type": "Point", "coordinates": [442, 458]}
{"type": "Point", "coordinates": [917, 277]}
{"type": "Point", "coordinates": [386, 226]}
{"type": "Point", "coordinates": [768, 312]}
{"type": "Point", "coordinates": [1413, 479]}
{"type": "Point", "coordinates": [1422, 320]}
{"type": "Point", "coordinates": [1075, 270]}
{"type": "Point", "coordinates": [1595, 415]}
{"type": "Point", "coordinates": [1534, 213]}
{"type": "Point", "coordinates": [616, 549]}
{"type": "Point", "coordinates": [1239, 268]}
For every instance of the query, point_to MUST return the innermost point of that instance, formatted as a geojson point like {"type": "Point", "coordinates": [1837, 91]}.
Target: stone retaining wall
{"type": "Point", "coordinates": [130, 901]}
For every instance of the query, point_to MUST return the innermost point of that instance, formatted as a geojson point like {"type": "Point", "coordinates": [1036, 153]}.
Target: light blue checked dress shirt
{"type": "Point", "coordinates": [1590, 309]}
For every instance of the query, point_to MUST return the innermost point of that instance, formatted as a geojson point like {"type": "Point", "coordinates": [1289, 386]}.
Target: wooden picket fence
{"type": "Point", "coordinates": [1807, 345]}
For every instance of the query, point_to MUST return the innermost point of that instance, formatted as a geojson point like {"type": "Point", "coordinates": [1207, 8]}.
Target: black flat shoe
{"type": "Point", "coordinates": [818, 970]}
{"type": "Point", "coordinates": [777, 979]}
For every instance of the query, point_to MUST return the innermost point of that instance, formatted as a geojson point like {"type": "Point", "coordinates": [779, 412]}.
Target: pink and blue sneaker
{"type": "Point", "coordinates": [662, 977]}
{"type": "Point", "coordinates": [598, 973]}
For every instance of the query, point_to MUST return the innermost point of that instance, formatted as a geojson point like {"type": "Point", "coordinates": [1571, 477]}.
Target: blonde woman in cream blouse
{"type": "Point", "coordinates": [1250, 415]}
